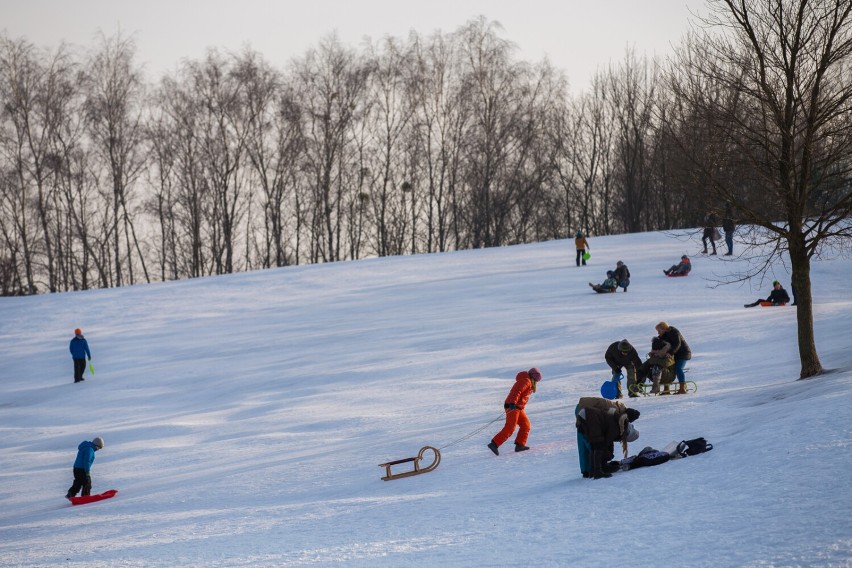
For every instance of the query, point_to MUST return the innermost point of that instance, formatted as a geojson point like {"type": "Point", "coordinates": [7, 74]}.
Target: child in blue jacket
{"type": "Point", "coordinates": [79, 353]}
{"type": "Point", "coordinates": [82, 467]}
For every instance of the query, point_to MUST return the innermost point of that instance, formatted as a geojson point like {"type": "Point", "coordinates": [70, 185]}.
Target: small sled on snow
{"type": "Point", "coordinates": [677, 275]}
{"type": "Point", "coordinates": [83, 499]}
{"type": "Point", "coordinates": [417, 469]}
{"type": "Point", "coordinates": [772, 304]}
{"type": "Point", "coordinates": [644, 389]}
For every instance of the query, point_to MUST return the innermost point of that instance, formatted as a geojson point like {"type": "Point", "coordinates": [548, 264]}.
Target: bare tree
{"type": "Point", "coordinates": [631, 89]}
{"type": "Point", "coordinates": [114, 107]}
{"type": "Point", "coordinates": [441, 119]}
{"type": "Point", "coordinates": [330, 88]}
{"type": "Point", "coordinates": [783, 67]}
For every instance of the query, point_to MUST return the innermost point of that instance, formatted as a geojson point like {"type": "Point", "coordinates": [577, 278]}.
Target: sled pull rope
{"type": "Point", "coordinates": [472, 434]}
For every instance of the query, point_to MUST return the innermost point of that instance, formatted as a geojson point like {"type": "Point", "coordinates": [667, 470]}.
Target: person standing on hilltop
{"type": "Point", "coordinates": [581, 244]}
{"type": "Point", "coordinates": [79, 348]}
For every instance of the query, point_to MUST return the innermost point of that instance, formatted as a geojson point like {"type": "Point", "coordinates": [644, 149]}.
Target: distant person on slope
{"type": "Point", "coordinates": [525, 385]}
{"type": "Point", "coordinates": [581, 244]}
{"type": "Point", "coordinates": [79, 348]}
{"type": "Point", "coordinates": [729, 227]}
{"type": "Point", "coordinates": [778, 296]}
{"type": "Point", "coordinates": [621, 354]}
{"type": "Point", "coordinates": [600, 422]}
{"type": "Point", "coordinates": [622, 275]}
{"type": "Point", "coordinates": [82, 467]}
{"type": "Point", "coordinates": [680, 269]}
{"type": "Point", "coordinates": [608, 285]}
{"type": "Point", "coordinates": [710, 232]}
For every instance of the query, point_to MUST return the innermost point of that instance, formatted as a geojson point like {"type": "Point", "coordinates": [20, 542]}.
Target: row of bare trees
{"type": "Point", "coordinates": [228, 164]}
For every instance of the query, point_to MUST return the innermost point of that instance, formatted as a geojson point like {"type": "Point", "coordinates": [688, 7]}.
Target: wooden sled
{"type": "Point", "coordinates": [417, 469]}
{"type": "Point", "coordinates": [644, 389]}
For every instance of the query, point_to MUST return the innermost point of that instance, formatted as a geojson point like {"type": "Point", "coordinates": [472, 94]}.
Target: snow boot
{"type": "Point", "coordinates": [665, 390]}
{"type": "Point", "coordinates": [521, 448]}
{"type": "Point", "coordinates": [656, 373]}
{"type": "Point", "coordinates": [493, 447]}
{"type": "Point", "coordinates": [681, 389]}
{"type": "Point", "coordinates": [597, 465]}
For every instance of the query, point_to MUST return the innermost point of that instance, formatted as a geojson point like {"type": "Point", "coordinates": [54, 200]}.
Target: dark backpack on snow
{"type": "Point", "coordinates": [693, 447]}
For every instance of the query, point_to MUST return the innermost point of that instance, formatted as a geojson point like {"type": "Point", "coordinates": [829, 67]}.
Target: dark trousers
{"type": "Point", "coordinates": [729, 240]}
{"type": "Point", "coordinates": [709, 237]}
{"type": "Point", "coordinates": [82, 480]}
{"type": "Point", "coordinates": [580, 257]}
{"type": "Point", "coordinates": [79, 369]}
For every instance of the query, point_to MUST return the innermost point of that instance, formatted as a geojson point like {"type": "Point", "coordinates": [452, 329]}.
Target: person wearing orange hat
{"type": "Point", "coordinates": [524, 387]}
{"type": "Point", "coordinates": [79, 353]}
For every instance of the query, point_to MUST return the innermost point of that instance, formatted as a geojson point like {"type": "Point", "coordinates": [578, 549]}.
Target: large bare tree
{"type": "Point", "coordinates": [782, 122]}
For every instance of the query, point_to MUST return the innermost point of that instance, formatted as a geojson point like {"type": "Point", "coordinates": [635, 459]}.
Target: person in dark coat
{"type": "Point", "coordinates": [620, 354]}
{"type": "Point", "coordinates": [709, 231]}
{"type": "Point", "coordinates": [675, 345]}
{"type": "Point", "coordinates": [79, 348]}
{"type": "Point", "coordinates": [729, 227]}
{"type": "Point", "coordinates": [680, 269]}
{"type": "Point", "coordinates": [82, 467]}
{"type": "Point", "coordinates": [600, 422]}
{"type": "Point", "coordinates": [622, 275]}
{"type": "Point", "coordinates": [778, 296]}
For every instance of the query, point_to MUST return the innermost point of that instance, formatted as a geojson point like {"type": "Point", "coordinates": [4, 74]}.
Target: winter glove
{"type": "Point", "coordinates": [510, 406]}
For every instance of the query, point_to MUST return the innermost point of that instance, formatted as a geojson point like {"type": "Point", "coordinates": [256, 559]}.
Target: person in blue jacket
{"type": "Point", "coordinates": [79, 353]}
{"type": "Point", "coordinates": [82, 467]}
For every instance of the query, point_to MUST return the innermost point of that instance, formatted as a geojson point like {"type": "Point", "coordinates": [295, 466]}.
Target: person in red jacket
{"type": "Point", "coordinates": [525, 385]}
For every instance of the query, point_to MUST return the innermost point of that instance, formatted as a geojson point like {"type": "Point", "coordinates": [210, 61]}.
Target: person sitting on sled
{"type": "Point", "coordinates": [600, 422]}
{"type": "Point", "coordinates": [525, 385]}
{"type": "Point", "coordinates": [83, 465]}
{"type": "Point", "coordinates": [681, 269]}
{"type": "Point", "coordinates": [608, 285]}
{"type": "Point", "coordinates": [777, 297]}
{"type": "Point", "coordinates": [658, 368]}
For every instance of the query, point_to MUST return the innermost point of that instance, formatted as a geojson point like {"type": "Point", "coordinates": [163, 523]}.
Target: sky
{"type": "Point", "coordinates": [578, 36]}
{"type": "Point", "coordinates": [245, 416]}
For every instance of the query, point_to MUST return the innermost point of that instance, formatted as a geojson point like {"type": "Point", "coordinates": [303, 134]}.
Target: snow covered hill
{"type": "Point", "coordinates": [245, 417]}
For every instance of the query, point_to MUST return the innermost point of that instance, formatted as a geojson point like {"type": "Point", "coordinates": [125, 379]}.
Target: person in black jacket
{"type": "Point", "coordinates": [621, 354]}
{"type": "Point", "coordinates": [622, 275]}
{"type": "Point", "coordinates": [729, 227]}
{"type": "Point", "coordinates": [709, 232]}
{"type": "Point", "coordinates": [676, 346]}
{"type": "Point", "coordinates": [778, 296]}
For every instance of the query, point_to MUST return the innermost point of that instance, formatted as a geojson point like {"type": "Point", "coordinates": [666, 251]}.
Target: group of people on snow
{"type": "Point", "coordinates": [601, 422]}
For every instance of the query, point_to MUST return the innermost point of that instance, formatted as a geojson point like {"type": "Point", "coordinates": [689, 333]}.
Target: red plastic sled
{"type": "Point", "coordinates": [770, 304]}
{"type": "Point", "coordinates": [82, 500]}
{"type": "Point", "coordinates": [677, 275]}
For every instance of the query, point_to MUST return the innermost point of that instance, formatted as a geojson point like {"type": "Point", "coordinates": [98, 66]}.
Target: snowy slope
{"type": "Point", "coordinates": [245, 416]}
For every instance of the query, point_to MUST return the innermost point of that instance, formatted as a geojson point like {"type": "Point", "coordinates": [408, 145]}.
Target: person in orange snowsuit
{"type": "Point", "coordinates": [525, 385]}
